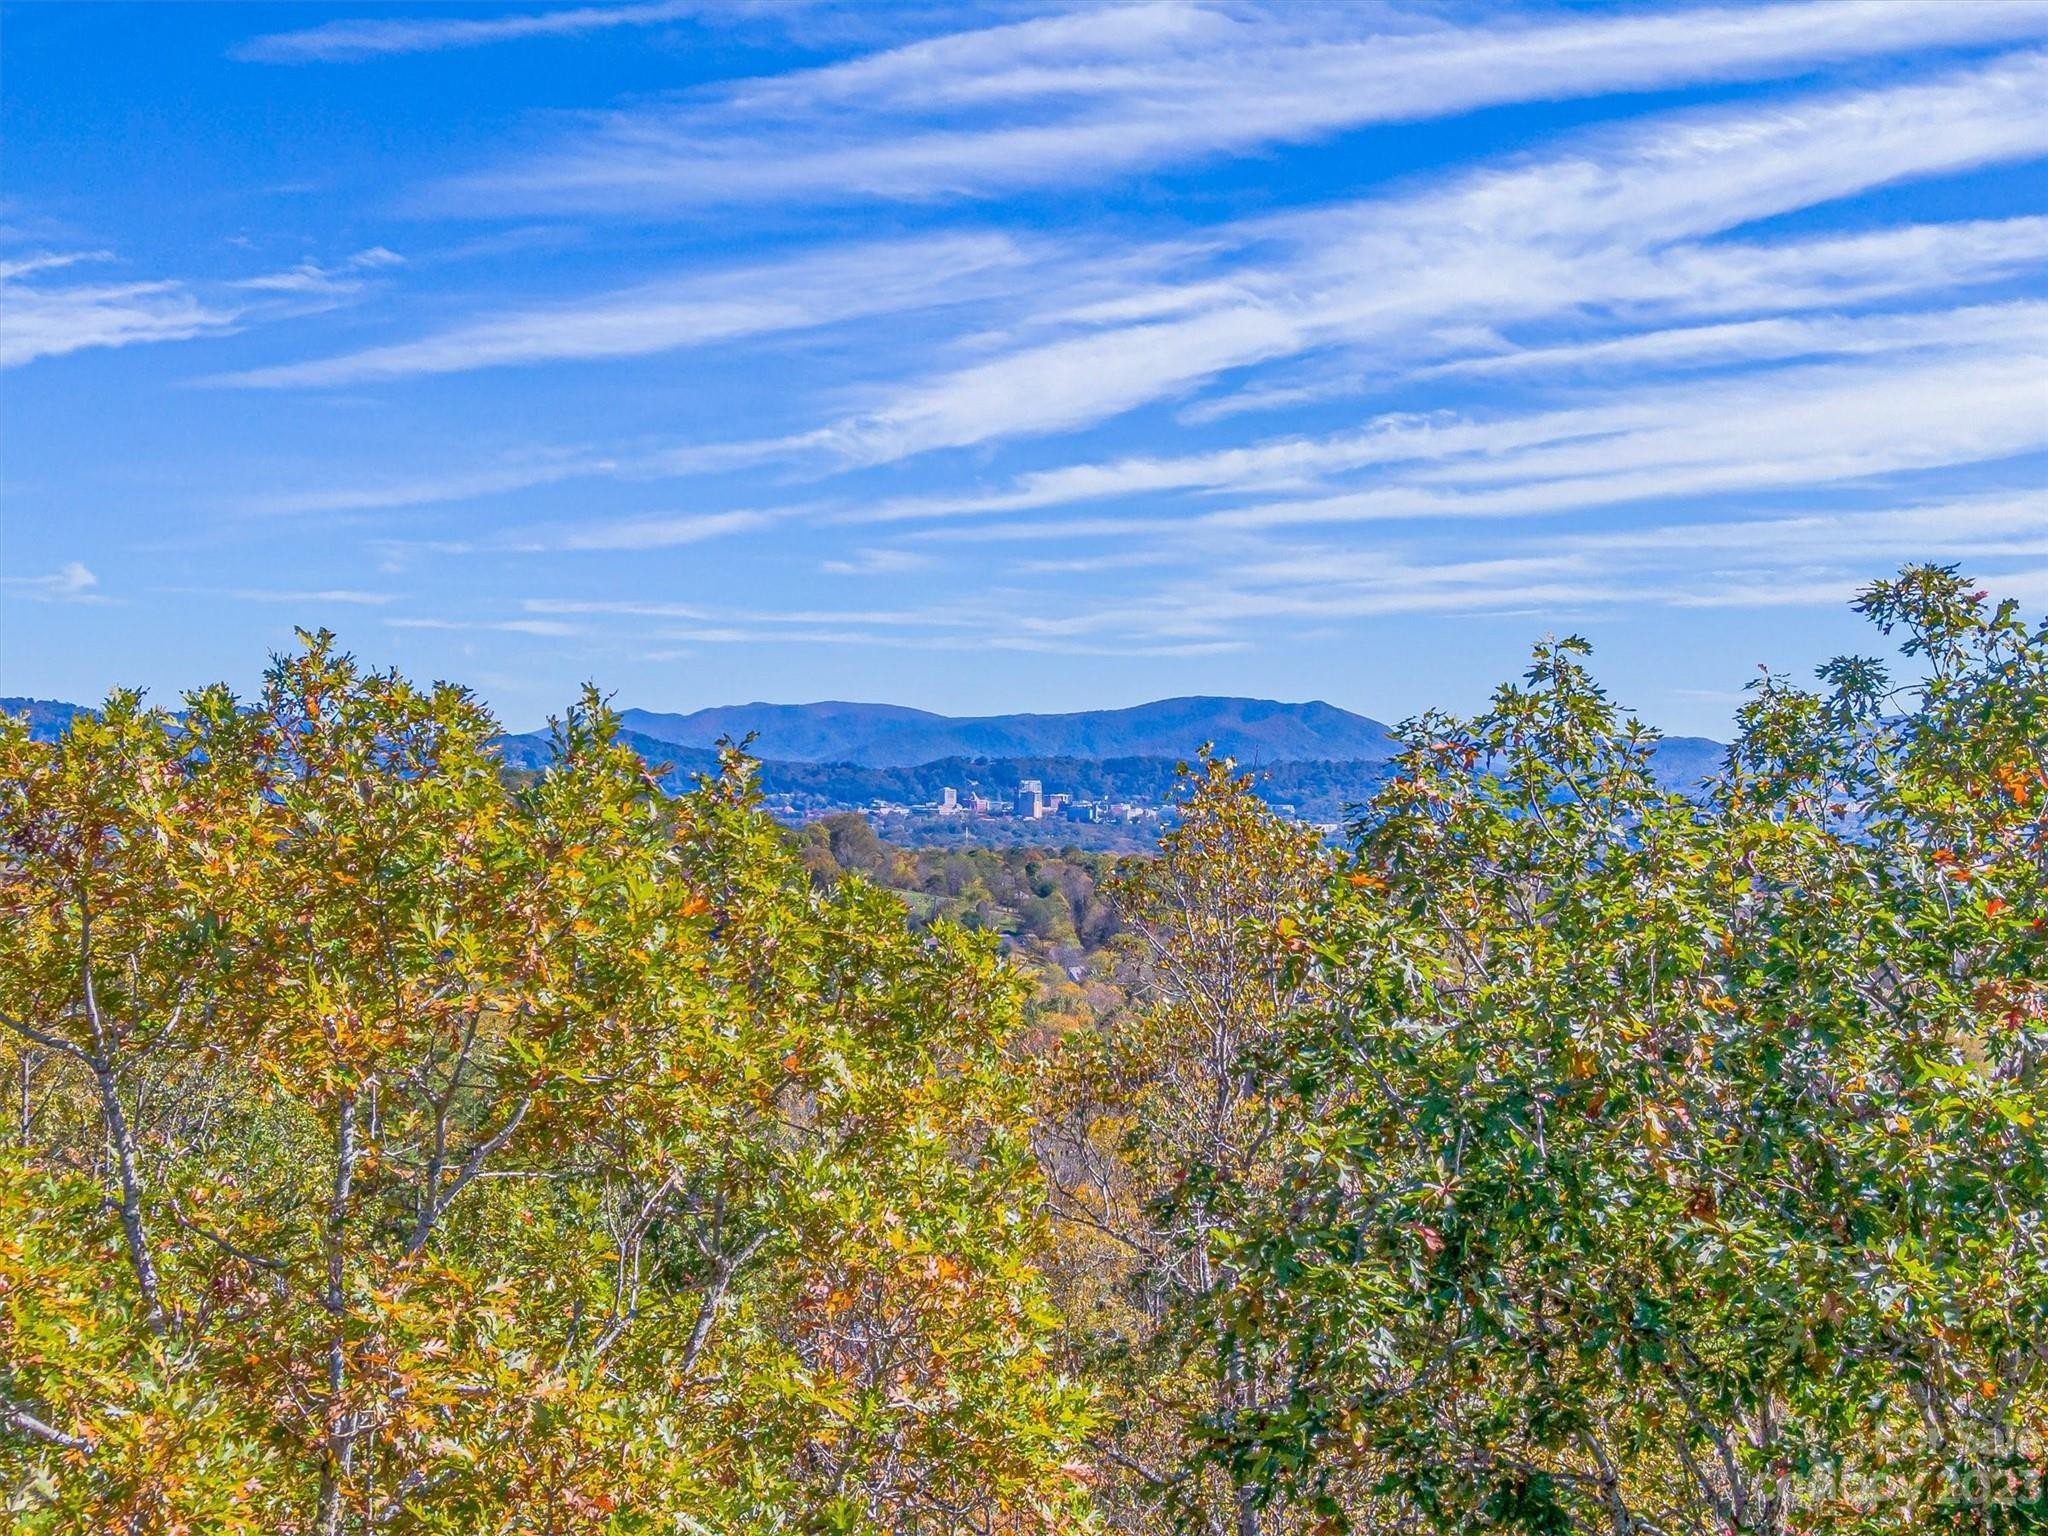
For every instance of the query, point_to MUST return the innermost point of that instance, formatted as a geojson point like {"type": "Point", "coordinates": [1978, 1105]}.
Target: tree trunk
{"type": "Point", "coordinates": [134, 1231]}
{"type": "Point", "coordinates": [338, 1449]}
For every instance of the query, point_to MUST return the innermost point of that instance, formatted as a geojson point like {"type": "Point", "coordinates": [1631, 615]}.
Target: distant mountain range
{"type": "Point", "coordinates": [1253, 731]}
{"type": "Point", "coordinates": [1316, 757]}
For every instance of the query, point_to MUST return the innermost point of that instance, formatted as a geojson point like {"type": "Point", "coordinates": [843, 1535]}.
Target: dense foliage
{"type": "Point", "coordinates": [1653, 1165]}
{"type": "Point", "coordinates": [401, 1144]}
{"type": "Point", "coordinates": [399, 1152]}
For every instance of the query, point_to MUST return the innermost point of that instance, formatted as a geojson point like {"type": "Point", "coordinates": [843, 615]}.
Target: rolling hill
{"type": "Point", "coordinates": [678, 765]}
{"type": "Point", "coordinates": [890, 736]}
{"type": "Point", "coordinates": [46, 718]}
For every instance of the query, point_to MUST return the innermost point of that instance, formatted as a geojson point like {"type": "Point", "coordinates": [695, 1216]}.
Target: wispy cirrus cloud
{"type": "Point", "coordinates": [550, 629]}
{"type": "Point", "coordinates": [640, 533]}
{"type": "Point", "coordinates": [517, 471]}
{"type": "Point", "coordinates": [667, 531]}
{"type": "Point", "coordinates": [1624, 351]}
{"type": "Point", "coordinates": [352, 40]}
{"type": "Point", "coordinates": [1632, 222]}
{"type": "Point", "coordinates": [1811, 425]}
{"type": "Point", "coordinates": [762, 299]}
{"type": "Point", "coordinates": [39, 318]}
{"type": "Point", "coordinates": [1762, 341]}
{"type": "Point", "coordinates": [22, 266]}
{"type": "Point", "coordinates": [1756, 562]}
{"type": "Point", "coordinates": [1674, 562]}
{"type": "Point", "coordinates": [1229, 592]}
{"type": "Point", "coordinates": [311, 280]}
{"type": "Point", "coordinates": [1906, 263]}
{"type": "Point", "coordinates": [71, 582]}
{"type": "Point", "coordinates": [879, 562]}
{"type": "Point", "coordinates": [42, 316]}
{"type": "Point", "coordinates": [941, 626]}
{"type": "Point", "coordinates": [1627, 231]}
{"type": "Point", "coordinates": [351, 597]}
{"type": "Point", "coordinates": [1095, 93]}
{"type": "Point", "coordinates": [945, 615]}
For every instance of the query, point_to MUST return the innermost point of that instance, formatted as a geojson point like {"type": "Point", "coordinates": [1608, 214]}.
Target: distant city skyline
{"type": "Point", "coordinates": [1012, 358]}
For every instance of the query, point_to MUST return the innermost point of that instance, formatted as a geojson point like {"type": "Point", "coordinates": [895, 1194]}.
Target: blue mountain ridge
{"type": "Point", "coordinates": [890, 736]}
{"type": "Point", "coordinates": [852, 753]}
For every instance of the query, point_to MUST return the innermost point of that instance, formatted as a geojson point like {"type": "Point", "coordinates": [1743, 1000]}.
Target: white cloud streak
{"type": "Point", "coordinates": [878, 562]}
{"type": "Point", "coordinates": [39, 320]}
{"type": "Point", "coordinates": [520, 473]}
{"type": "Point", "coordinates": [1939, 387]}
{"type": "Point", "coordinates": [350, 40]}
{"type": "Point", "coordinates": [1626, 224]}
{"type": "Point", "coordinates": [761, 300]}
{"type": "Point", "coordinates": [1103, 92]}
{"type": "Point", "coordinates": [1762, 341]}
{"type": "Point", "coordinates": [1718, 562]}
{"type": "Point", "coordinates": [346, 596]}
{"type": "Point", "coordinates": [1242, 590]}
{"type": "Point", "coordinates": [660, 532]}
{"type": "Point", "coordinates": [71, 582]}
{"type": "Point", "coordinates": [543, 628]}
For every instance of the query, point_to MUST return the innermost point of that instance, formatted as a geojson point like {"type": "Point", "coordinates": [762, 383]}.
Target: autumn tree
{"type": "Point", "coordinates": [1665, 1164]}
{"type": "Point", "coordinates": [399, 1149]}
{"type": "Point", "coordinates": [1154, 1134]}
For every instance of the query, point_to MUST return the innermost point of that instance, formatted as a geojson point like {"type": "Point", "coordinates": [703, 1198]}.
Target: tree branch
{"type": "Point", "coordinates": [15, 1417]}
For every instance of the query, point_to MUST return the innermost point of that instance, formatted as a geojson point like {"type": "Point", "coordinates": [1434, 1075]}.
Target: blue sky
{"type": "Point", "coordinates": [1018, 358]}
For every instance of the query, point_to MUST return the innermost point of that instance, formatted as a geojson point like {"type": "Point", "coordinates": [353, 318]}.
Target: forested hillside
{"type": "Point", "coordinates": [890, 736]}
{"type": "Point", "coordinates": [1319, 786]}
{"type": "Point", "coordinates": [395, 1143]}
